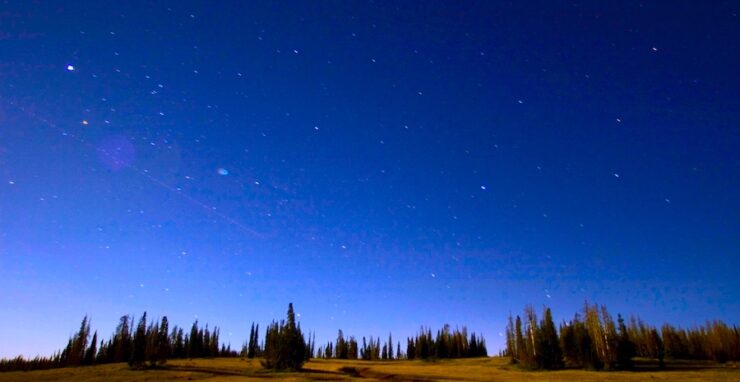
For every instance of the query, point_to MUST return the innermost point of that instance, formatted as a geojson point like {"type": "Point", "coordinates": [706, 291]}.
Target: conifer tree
{"type": "Point", "coordinates": [309, 347]}
{"type": "Point", "coordinates": [341, 347]}
{"type": "Point", "coordinates": [178, 349]}
{"type": "Point", "coordinates": [611, 338]}
{"type": "Point", "coordinates": [625, 347]}
{"type": "Point", "coordinates": [568, 343]}
{"type": "Point", "coordinates": [214, 342]}
{"type": "Point", "coordinates": [313, 344]}
{"type": "Point", "coordinates": [597, 334]}
{"type": "Point", "coordinates": [74, 353]}
{"type": "Point", "coordinates": [658, 348]}
{"type": "Point", "coordinates": [522, 355]}
{"type": "Point", "coordinates": [352, 353]}
{"type": "Point", "coordinates": [206, 349]}
{"type": "Point", "coordinates": [250, 344]}
{"type": "Point", "coordinates": [329, 351]}
{"type": "Point", "coordinates": [549, 354]}
{"type": "Point", "coordinates": [122, 341]}
{"type": "Point", "coordinates": [138, 354]}
{"type": "Point", "coordinates": [390, 346]}
{"type": "Point", "coordinates": [284, 345]}
{"type": "Point", "coordinates": [195, 341]}
{"type": "Point", "coordinates": [254, 348]}
{"type": "Point", "coordinates": [482, 350]}
{"type": "Point", "coordinates": [92, 351]}
{"type": "Point", "coordinates": [164, 347]}
{"type": "Point", "coordinates": [410, 349]}
{"type": "Point", "coordinates": [152, 343]}
{"type": "Point", "coordinates": [511, 350]}
{"type": "Point", "coordinates": [473, 345]}
{"type": "Point", "coordinates": [531, 336]}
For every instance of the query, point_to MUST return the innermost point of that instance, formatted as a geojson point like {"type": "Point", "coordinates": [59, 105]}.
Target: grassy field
{"type": "Point", "coordinates": [491, 369]}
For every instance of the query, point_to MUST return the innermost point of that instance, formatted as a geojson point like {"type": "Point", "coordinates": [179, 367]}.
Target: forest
{"type": "Point", "coordinates": [591, 340]}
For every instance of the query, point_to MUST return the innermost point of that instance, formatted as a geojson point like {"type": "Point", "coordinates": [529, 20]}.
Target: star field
{"type": "Point", "coordinates": [381, 165]}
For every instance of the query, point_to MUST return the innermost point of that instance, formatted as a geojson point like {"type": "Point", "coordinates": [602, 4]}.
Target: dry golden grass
{"type": "Point", "coordinates": [234, 369]}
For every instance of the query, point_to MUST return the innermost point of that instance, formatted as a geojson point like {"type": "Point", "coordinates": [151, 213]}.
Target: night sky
{"type": "Point", "coordinates": [382, 165]}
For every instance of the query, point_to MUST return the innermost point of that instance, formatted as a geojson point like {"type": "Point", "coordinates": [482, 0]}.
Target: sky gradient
{"type": "Point", "coordinates": [382, 165]}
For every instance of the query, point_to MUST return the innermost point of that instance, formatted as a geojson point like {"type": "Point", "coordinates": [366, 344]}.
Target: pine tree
{"type": "Point", "coordinates": [255, 348]}
{"type": "Point", "coordinates": [214, 342]}
{"type": "Point", "coordinates": [521, 348]}
{"type": "Point", "coordinates": [390, 346]}
{"type": "Point", "coordinates": [625, 347]}
{"type": "Point", "coordinates": [549, 354]}
{"type": "Point", "coordinates": [410, 349]}
{"type": "Point", "coordinates": [195, 341]}
{"type": "Point", "coordinates": [164, 346]}
{"type": "Point", "coordinates": [611, 338]}
{"type": "Point", "coordinates": [74, 353]}
{"type": "Point", "coordinates": [588, 354]}
{"type": "Point", "coordinates": [473, 349]}
{"type": "Point", "coordinates": [658, 348]}
{"type": "Point", "coordinates": [284, 345]}
{"type": "Point", "coordinates": [309, 348]}
{"type": "Point", "coordinates": [352, 348]}
{"type": "Point", "coordinates": [152, 344]}
{"type": "Point", "coordinates": [250, 345]}
{"type": "Point", "coordinates": [206, 349]}
{"type": "Point", "coordinates": [138, 355]}
{"type": "Point", "coordinates": [568, 343]}
{"type": "Point", "coordinates": [424, 350]}
{"type": "Point", "coordinates": [178, 349]}
{"type": "Point", "coordinates": [482, 350]}
{"type": "Point", "coordinates": [103, 354]}
{"type": "Point", "coordinates": [92, 351]}
{"type": "Point", "coordinates": [122, 341]}
{"type": "Point", "coordinates": [313, 344]}
{"type": "Point", "coordinates": [329, 351]}
{"type": "Point", "coordinates": [597, 335]}
{"type": "Point", "coordinates": [531, 336]}
{"type": "Point", "coordinates": [511, 350]}
{"type": "Point", "coordinates": [341, 346]}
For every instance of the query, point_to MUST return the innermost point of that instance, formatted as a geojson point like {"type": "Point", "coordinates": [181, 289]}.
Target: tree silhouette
{"type": "Point", "coordinates": [594, 342]}
{"type": "Point", "coordinates": [390, 346]}
{"type": "Point", "coordinates": [549, 354]}
{"type": "Point", "coordinates": [285, 346]}
{"type": "Point", "coordinates": [138, 356]}
{"type": "Point", "coordinates": [625, 347]}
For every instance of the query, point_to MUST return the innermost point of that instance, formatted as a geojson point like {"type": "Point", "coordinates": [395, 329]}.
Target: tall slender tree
{"type": "Point", "coordinates": [138, 355]}
{"type": "Point", "coordinates": [549, 354]}
{"type": "Point", "coordinates": [390, 346]}
{"type": "Point", "coordinates": [625, 347]}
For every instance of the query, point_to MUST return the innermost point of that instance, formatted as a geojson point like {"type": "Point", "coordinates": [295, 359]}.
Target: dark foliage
{"type": "Point", "coordinates": [595, 342]}
{"type": "Point", "coordinates": [591, 341]}
{"type": "Point", "coordinates": [285, 347]}
{"type": "Point", "coordinates": [147, 346]}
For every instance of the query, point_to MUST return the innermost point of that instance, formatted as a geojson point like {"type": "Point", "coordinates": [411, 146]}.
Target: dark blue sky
{"type": "Point", "coordinates": [382, 165]}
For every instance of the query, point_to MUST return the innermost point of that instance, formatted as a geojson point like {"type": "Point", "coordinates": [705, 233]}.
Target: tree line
{"type": "Point", "coordinates": [593, 340]}
{"type": "Point", "coordinates": [148, 344]}
{"type": "Point", "coordinates": [446, 344]}
{"type": "Point", "coordinates": [285, 347]}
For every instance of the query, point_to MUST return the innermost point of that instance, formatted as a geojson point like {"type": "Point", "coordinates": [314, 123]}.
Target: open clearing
{"type": "Point", "coordinates": [235, 369]}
